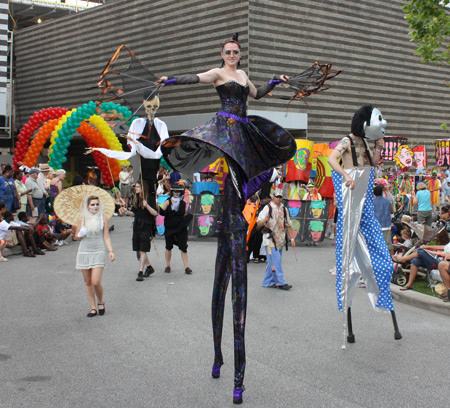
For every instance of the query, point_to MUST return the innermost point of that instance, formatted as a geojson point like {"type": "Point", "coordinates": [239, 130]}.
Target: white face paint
{"type": "Point", "coordinates": [151, 107]}
{"type": "Point", "coordinates": [94, 206]}
{"type": "Point", "coordinates": [376, 129]}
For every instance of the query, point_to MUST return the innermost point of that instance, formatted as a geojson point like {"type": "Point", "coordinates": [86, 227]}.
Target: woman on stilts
{"type": "Point", "coordinates": [252, 146]}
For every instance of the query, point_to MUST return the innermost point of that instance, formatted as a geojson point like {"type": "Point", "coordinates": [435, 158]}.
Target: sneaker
{"type": "Point", "coordinates": [140, 277]}
{"type": "Point", "coordinates": [61, 243]}
{"type": "Point", "coordinates": [285, 287]}
{"type": "Point", "coordinates": [188, 271]}
{"type": "Point", "coordinates": [167, 270]}
{"type": "Point", "coordinates": [331, 236]}
{"type": "Point", "coordinates": [148, 271]}
{"type": "Point", "coordinates": [316, 244]}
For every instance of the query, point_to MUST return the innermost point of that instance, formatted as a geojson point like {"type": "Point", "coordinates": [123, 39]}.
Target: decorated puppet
{"type": "Point", "coordinates": [360, 247]}
{"type": "Point", "coordinates": [144, 138]}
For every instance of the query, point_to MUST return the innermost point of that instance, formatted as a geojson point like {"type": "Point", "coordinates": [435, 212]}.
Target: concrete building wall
{"type": "Point", "coordinates": [57, 62]}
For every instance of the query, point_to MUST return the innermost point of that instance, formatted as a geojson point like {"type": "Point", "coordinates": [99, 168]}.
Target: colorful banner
{"type": "Point", "coordinates": [308, 219]}
{"type": "Point", "coordinates": [324, 183]}
{"type": "Point", "coordinates": [299, 167]}
{"type": "Point", "coordinates": [391, 145]}
{"type": "Point", "coordinates": [442, 152]}
{"type": "Point", "coordinates": [404, 157]}
{"type": "Point", "coordinates": [420, 157]}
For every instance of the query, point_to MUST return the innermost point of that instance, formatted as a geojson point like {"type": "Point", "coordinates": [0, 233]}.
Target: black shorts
{"type": "Point", "coordinates": [142, 238]}
{"type": "Point", "coordinates": [179, 239]}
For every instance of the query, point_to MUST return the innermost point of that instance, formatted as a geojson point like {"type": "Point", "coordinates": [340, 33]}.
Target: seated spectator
{"type": "Point", "coordinates": [421, 257]}
{"type": "Point", "coordinates": [24, 234]}
{"type": "Point", "coordinates": [442, 238]}
{"type": "Point", "coordinates": [406, 236]}
{"type": "Point", "coordinates": [45, 237]}
{"type": "Point", "coordinates": [443, 268]}
{"type": "Point", "coordinates": [445, 215]}
{"type": "Point", "coordinates": [62, 231]}
{"type": "Point", "coordinates": [119, 202]}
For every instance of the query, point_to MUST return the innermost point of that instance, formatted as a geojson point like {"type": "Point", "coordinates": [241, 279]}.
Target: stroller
{"type": "Point", "coordinates": [425, 234]}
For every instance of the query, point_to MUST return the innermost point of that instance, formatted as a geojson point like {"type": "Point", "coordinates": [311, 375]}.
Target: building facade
{"type": "Point", "coordinates": [57, 62]}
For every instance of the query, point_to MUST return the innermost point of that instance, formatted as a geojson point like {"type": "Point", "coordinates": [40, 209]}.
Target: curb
{"type": "Point", "coordinates": [421, 300]}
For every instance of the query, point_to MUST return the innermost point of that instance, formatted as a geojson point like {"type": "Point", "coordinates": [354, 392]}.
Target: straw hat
{"type": "Point", "coordinates": [67, 203]}
{"type": "Point", "coordinates": [421, 186]}
{"type": "Point", "coordinates": [44, 167]}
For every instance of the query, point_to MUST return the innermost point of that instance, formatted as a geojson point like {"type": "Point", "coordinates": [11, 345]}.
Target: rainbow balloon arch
{"type": "Point", "coordinates": [59, 125]}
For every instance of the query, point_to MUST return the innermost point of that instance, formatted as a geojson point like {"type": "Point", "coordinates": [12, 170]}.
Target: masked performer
{"type": "Point", "coordinates": [144, 138]}
{"type": "Point", "coordinates": [251, 145]}
{"type": "Point", "coordinates": [360, 247]}
{"type": "Point", "coordinates": [176, 223]}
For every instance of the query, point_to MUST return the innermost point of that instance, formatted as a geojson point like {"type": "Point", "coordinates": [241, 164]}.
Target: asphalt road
{"type": "Point", "coordinates": [153, 347]}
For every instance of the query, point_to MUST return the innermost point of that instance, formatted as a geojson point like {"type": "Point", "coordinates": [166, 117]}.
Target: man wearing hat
{"type": "Point", "coordinates": [36, 194]}
{"type": "Point", "coordinates": [176, 222]}
{"type": "Point", "coordinates": [275, 221]}
{"type": "Point", "coordinates": [45, 171]}
{"type": "Point", "coordinates": [423, 201]}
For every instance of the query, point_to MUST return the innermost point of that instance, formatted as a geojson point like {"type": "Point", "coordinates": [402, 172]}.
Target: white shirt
{"type": "Point", "coordinates": [4, 229]}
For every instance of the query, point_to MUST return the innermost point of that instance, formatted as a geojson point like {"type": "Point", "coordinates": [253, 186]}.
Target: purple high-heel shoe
{"type": "Point", "coordinates": [237, 395]}
{"type": "Point", "coordinates": [215, 371]}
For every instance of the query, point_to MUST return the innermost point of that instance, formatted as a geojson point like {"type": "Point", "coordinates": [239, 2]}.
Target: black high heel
{"type": "Point", "coordinates": [92, 313]}
{"type": "Point", "coordinates": [101, 312]}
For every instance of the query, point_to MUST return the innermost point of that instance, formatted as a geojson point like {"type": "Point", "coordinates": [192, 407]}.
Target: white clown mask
{"type": "Point", "coordinates": [376, 128]}
{"type": "Point", "coordinates": [151, 107]}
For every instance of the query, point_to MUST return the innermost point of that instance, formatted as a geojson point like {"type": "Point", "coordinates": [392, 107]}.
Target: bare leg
{"type": "Point", "coordinates": [87, 275]}
{"type": "Point", "coordinates": [168, 257]}
{"type": "Point", "coordinates": [143, 260]}
{"type": "Point", "coordinates": [184, 257]}
{"type": "Point", "coordinates": [443, 271]}
{"type": "Point", "coordinates": [412, 276]}
{"type": "Point", "coordinates": [96, 281]}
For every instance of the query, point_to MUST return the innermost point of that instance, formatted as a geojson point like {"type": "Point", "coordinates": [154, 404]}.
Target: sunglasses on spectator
{"type": "Point", "coordinates": [278, 196]}
{"type": "Point", "coordinates": [229, 52]}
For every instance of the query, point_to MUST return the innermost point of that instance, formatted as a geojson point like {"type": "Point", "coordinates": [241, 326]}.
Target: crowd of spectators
{"type": "Point", "coordinates": [26, 209]}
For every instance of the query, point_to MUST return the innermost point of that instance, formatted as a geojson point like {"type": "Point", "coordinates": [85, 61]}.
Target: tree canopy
{"type": "Point", "coordinates": [429, 23]}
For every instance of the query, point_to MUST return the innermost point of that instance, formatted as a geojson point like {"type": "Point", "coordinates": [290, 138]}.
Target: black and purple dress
{"type": "Point", "coordinates": [251, 146]}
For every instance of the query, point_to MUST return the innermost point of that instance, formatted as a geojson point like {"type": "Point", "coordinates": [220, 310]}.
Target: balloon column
{"type": "Point", "coordinates": [30, 127]}
{"type": "Point", "coordinates": [63, 133]}
{"type": "Point", "coordinates": [94, 138]}
{"type": "Point", "coordinates": [61, 124]}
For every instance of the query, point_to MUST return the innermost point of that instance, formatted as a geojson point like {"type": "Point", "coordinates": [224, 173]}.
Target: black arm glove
{"type": "Point", "coordinates": [263, 90]}
{"type": "Point", "coordinates": [184, 79]}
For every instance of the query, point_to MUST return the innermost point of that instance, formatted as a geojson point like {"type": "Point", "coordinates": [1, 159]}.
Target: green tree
{"type": "Point", "coordinates": [429, 23]}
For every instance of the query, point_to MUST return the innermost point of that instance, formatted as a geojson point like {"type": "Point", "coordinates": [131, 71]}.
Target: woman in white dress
{"type": "Point", "coordinates": [93, 231]}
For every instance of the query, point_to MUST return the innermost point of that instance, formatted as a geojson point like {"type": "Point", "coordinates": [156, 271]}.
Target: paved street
{"type": "Point", "coordinates": [153, 347]}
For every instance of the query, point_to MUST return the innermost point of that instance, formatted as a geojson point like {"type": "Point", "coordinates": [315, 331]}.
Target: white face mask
{"type": "Point", "coordinates": [376, 128]}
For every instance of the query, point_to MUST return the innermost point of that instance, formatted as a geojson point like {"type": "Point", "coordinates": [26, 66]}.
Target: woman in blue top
{"type": "Point", "coordinates": [423, 201]}
{"type": "Point", "coordinates": [8, 188]}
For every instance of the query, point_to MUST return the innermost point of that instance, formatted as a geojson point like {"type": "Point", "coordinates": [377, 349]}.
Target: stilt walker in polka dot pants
{"type": "Point", "coordinates": [360, 247]}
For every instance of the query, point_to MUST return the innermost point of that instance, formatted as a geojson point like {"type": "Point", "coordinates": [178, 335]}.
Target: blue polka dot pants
{"type": "Point", "coordinates": [370, 256]}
